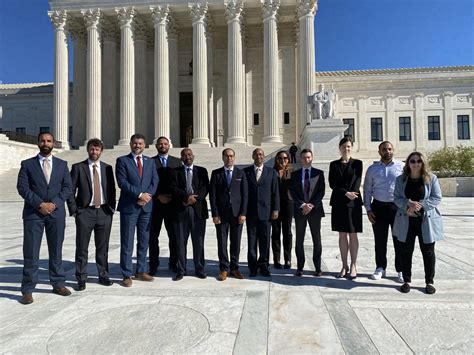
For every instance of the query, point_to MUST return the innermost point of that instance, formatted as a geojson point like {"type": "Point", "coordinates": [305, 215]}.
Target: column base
{"type": "Point", "coordinates": [235, 145]}
{"type": "Point", "coordinates": [65, 146]}
{"type": "Point", "coordinates": [235, 140]}
{"type": "Point", "coordinates": [272, 140]}
{"type": "Point", "coordinates": [123, 142]}
{"type": "Point", "coordinates": [200, 142]}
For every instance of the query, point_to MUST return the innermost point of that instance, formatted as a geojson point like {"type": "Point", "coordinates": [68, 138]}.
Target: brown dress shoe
{"type": "Point", "coordinates": [143, 276]}
{"type": "Point", "coordinates": [222, 275]}
{"type": "Point", "coordinates": [237, 274]}
{"type": "Point", "coordinates": [61, 291]}
{"type": "Point", "coordinates": [27, 298]}
{"type": "Point", "coordinates": [127, 282]}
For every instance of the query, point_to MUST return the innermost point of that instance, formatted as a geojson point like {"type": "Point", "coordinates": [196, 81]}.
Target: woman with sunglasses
{"type": "Point", "coordinates": [417, 195]}
{"type": "Point", "coordinates": [345, 175]}
{"type": "Point", "coordinates": [282, 225]}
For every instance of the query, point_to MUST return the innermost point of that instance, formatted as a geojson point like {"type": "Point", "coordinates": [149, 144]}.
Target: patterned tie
{"type": "Point", "coordinates": [306, 185]}
{"type": "Point", "coordinates": [47, 170]}
{"type": "Point", "coordinates": [164, 162]}
{"type": "Point", "coordinates": [189, 181]}
{"type": "Point", "coordinates": [228, 176]}
{"type": "Point", "coordinates": [97, 201]}
{"type": "Point", "coordinates": [258, 174]}
{"type": "Point", "coordinates": [140, 167]}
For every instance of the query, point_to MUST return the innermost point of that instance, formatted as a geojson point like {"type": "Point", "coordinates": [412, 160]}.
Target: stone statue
{"type": "Point", "coordinates": [322, 104]}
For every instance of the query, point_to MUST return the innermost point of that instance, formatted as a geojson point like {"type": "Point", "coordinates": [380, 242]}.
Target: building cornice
{"type": "Point", "coordinates": [397, 71]}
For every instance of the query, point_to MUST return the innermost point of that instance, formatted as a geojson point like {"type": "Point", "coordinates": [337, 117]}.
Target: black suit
{"type": "Point", "coordinates": [163, 212]}
{"type": "Point", "coordinates": [190, 219]}
{"type": "Point", "coordinates": [264, 198]}
{"type": "Point", "coordinates": [316, 194]}
{"type": "Point", "coordinates": [88, 218]}
{"type": "Point", "coordinates": [228, 202]}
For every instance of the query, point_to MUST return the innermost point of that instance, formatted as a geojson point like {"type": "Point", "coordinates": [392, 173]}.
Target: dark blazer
{"type": "Point", "coordinates": [164, 174]}
{"type": "Point", "coordinates": [200, 186]}
{"type": "Point", "coordinates": [316, 194]}
{"type": "Point", "coordinates": [32, 187]}
{"type": "Point", "coordinates": [224, 198]}
{"type": "Point", "coordinates": [345, 179]}
{"type": "Point", "coordinates": [82, 187]}
{"type": "Point", "coordinates": [264, 196]}
{"type": "Point", "coordinates": [131, 186]}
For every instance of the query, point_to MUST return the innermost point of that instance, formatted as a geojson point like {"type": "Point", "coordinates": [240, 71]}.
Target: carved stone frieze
{"type": "Point", "coordinates": [140, 28]}
{"type": "Point", "coordinates": [110, 30]}
{"type": "Point", "coordinates": [77, 30]}
{"type": "Point", "coordinates": [433, 99]}
{"type": "Point", "coordinates": [404, 100]}
{"type": "Point", "coordinates": [462, 98]}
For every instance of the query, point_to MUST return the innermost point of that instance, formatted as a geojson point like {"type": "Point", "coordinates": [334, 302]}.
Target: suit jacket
{"type": "Point", "coordinates": [82, 187]}
{"type": "Point", "coordinates": [164, 175]}
{"type": "Point", "coordinates": [200, 185]}
{"type": "Point", "coordinates": [224, 198]}
{"type": "Point", "coordinates": [264, 196]}
{"type": "Point", "coordinates": [316, 191]}
{"type": "Point", "coordinates": [131, 185]}
{"type": "Point", "coordinates": [342, 180]}
{"type": "Point", "coordinates": [32, 187]}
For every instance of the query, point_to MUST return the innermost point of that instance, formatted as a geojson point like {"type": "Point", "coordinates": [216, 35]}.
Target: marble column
{"type": "Point", "coordinates": [160, 15]}
{"type": "Point", "coordinates": [200, 102]}
{"type": "Point", "coordinates": [140, 39]}
{"type": "Point", "coordinates": [210, 82]}
{"type": "Point", "coordinates": [449, 120]}
{"type": "Point", "coordinates": [420, 123]}
{"type": "Point", "coordinates": [363, 133]}
{"type": "Point", "coordinates": [173, 34]}
{"type": "Point", "coordinates": [61, 80]}
{"type": "Point", "coordinates": [271, 125]}
{"type": "Point", "coordinates": [94, 74]}
{"type": "Point", "coordinates": [305, 11]}
{"type": "Point", "coordinates": [127, 74]}
{"type": "Point", "coordinates": [235, 76]}
{"type": "Point", "coordinates": [391, 122]}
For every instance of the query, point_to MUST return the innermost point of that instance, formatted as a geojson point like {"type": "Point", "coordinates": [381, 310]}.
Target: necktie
{"type": "Point", "coordinates": [96, 182]}
{"type": "Point", "coordinates": [164, 162]}
{"type": "Point", "coordinates": [306, 185]}
{"type": "Point", "coordinates": [47, 170]}
{"type": "Point", "coordinates": [228, 176]}
{"type": "Point", "coordinates": [189, 181]}
{"type": "Point", "coordinates": [140, 167]}
{"type": "Point", "coordinates": [258, 174]}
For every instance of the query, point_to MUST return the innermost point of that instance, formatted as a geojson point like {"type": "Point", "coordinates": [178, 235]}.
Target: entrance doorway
{"type": "Point", "coordinates": [185, 118]}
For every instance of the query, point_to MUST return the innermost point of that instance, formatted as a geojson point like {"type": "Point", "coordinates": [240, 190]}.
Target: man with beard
{"type": "Point", "coordinates": [92, 203]}
{"type": "Point", "coordinates": [189, 188]}
{"type": "Point", "coordinates": [379, 186]}
{"type": "Point", "coordinates": [161, 206]}
{"type": "Point", "coordinates": [45, 184]}
{"type": "Point", "coordinates": [138, 180]}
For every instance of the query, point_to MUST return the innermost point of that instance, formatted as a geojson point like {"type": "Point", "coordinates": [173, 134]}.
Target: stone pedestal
{"type": "Point", "coordinates": [322, 137]}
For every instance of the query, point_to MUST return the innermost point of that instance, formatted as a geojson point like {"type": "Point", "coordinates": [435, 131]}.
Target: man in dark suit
{"type": "Point", "coordinates": [307, 189]}
{"type": "Point", "coordinates": [45, 184]}
{"type": "Point", "coordinates": [228, 196]}
{"type": "Point", "coordinates": [189, 188]}
{"type": "Point", "coordinates": [138, 180]}
{"type": "Point", "coordinates": [161, 206]}
{"type": "Point", "coordinates": [262, 208]}
{"type": "Point", "coordinates": [92, 203]}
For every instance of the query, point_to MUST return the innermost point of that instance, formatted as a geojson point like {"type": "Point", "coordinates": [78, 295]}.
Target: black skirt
{"type": "Point", "coordinates": [346, 219]}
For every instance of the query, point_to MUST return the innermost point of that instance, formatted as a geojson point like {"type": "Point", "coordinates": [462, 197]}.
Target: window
{"type": "Point", "coordinates": [463, 127]}
{"type": "Point", "coordinates": [433, 128]}
{"type": "Point", "coordinates": [349, 132]}
{"type": "Point", "coordinates": [376, 129]}
{"type": "Point", "coordinates": [286, 118]}
{"type": "Point", "coordinates": [44, 129]}
{"type": "Point", "coordinates": [404, 127]}
{"type": "Point", "coordinates": [20, 130]}
{"type": "Point", "coordinates": [256, 119]}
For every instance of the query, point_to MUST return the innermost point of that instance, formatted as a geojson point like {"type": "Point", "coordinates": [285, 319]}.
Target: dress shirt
{"type": "Point", "coordinates": [379, 182]}
{"type": "Point", "coordinates": [255, 168]}
{"type": "Point", "coordinates": [135, 158]}
{"type": "Point", "coordinates": [41, 161]}
{"type": "Point", "coordinates": [91, 171]}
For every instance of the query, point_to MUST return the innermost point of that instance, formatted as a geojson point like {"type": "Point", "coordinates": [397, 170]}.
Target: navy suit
{"type": "Point", "coordinates": [264, 198]}
{"type": "Point", "coordinates": [316, 194]}
{"type": "Point", "coordinates": [228, 202]}
{"type": "Point", "coordinates": [132, 215]}
{"type": "Point", "coordinates": [34, 189]}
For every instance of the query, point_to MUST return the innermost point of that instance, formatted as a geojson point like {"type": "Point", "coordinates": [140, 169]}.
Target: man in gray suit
{"type": "Point", "coordinates": [45, 184]}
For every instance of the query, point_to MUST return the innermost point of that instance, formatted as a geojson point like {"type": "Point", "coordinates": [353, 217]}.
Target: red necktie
{"type": "Point", "coordinates": [140, 167]}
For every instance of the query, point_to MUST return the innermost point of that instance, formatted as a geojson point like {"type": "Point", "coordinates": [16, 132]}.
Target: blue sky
{"type": "Point", "coordinates": [350, 34]}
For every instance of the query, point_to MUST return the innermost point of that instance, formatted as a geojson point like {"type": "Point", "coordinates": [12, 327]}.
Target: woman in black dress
{"type": "Point", "coordinates": [346, 215]}
{"type": "Point", "coordinates": [283, 223]}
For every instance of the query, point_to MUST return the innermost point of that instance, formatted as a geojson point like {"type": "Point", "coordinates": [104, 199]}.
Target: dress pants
{"type": "Point", "coordinates": [190, 223]}
{"type": "Point", "coordinates": [314, 222]}
{"type": "Point", "coordinates": [282, 225]}
{"type": "Point", "coordinates": [427, 250]}
{"type": "Point", "coordinates": [258, 233]}
{"type": "Point", "coordinates": [88, 220]}
{"type": "Point", "coordinates": [32, 235]}
{"type": "Point", "coordinates": [158, 217]}
{"type": "Point", "coordinates": [384, 217]}
{"type": "Point", "coordinates": [128, 222]}
{"type": "Point", "coordinates": [229, 228]}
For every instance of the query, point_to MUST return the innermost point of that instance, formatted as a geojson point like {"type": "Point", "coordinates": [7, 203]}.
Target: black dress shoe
{"type": "Point", "coordinates": [81, 285]}
{"type": "Point", "coordinates": [287, 265]}
{"type": "Point", "coordinates": [253, 274]}
{"type": "Point", "coordinates": [299, 273]}
{"type": "Point", "coordinates": [105, 281]}
{"type": "Point", "coordinates": [201, 275]}
{"type": "Point", "coordinates": [179, 276]}
{"type": "Point", "coordinates": [265, 272]}
{"type": "Point", "coordinates": [277, 266]}
{"type": "Point", "coordinates": [152, 271]}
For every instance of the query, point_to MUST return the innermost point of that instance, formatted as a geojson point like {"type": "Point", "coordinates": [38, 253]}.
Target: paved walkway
{"type": "Point", "coordinates": [280, 315]}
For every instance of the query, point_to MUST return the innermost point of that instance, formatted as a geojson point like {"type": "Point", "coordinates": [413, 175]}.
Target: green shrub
{"type": "Point", "coordinates": [449, 162]}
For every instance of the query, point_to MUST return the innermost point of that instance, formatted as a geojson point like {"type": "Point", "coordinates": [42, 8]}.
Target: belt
{"type": "Point", "coordinates": [383, 203]}
{"type": "Point", "coordinates": [95, 208]}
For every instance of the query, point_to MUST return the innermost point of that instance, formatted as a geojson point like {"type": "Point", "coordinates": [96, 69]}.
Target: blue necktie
{"type": "Point", "coordinates": [306, 185]}
{"type": "Point", "coordinates": [163, 161]}
{"type": "Point", "coordinates": [228, 176]}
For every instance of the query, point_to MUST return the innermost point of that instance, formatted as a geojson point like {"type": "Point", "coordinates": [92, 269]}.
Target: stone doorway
{"type": "Point", "coordinates": [185, 118]}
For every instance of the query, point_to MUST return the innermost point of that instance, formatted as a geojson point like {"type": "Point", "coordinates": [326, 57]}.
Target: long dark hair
{"type": "Point", "coordinates": [277, 165]}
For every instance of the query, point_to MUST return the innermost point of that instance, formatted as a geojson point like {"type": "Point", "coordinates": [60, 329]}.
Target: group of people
{"type": "Point", "coordinates": [173, 191]}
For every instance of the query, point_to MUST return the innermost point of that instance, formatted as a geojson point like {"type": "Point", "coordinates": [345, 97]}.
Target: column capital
{"type": "Point", "coordinates": [199, 12]}
{"type": "Point", "coordinates": [59, 19]}
{"type": "Point", "coordinates": [92, 18]}
{"type": "Point", "coordinates": [306, 8]}
{"type": "Point", "coordinates": [234, 10]}
{"type": "Point", "coordinates": [160, 15]}
{"type": "Point", "coordinates": [270, 9]}
{"type": "Point", "coordinates": [448, 93]}
{"type": "Point", "coordinates": [125, 16]}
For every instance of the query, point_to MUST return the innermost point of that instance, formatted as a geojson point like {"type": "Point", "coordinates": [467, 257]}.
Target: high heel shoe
{"type": "Point", "coordinates": [353, 274]}
{"type": "Point", "coordinates": [343, 273]}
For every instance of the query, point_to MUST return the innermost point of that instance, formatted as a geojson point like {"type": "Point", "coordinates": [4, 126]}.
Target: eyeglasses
{"type": "Point", "coordinates": [282, 158]}
{"type": "Point", "coordinates": [417, 161]}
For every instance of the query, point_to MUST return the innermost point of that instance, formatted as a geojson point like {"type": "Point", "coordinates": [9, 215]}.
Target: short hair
{"type": "Point", "coordinates": [345, 140]}
{"type": "Point", "coordinates": [257, 149]}
{"type": "Point", "coordinates": [185, 149]}
{"type": "Point", "coordinates": [226, 149]}
{"type": "Point", "coordinates": [95, 142]}
{"type": "Point", "coordinates": [160, 138]}
{"type": "Point", "coordinates": [385, 142]}
{"type": "Point", "coordinates": [137, 136]}
{"type": "Point", "coordinates": [306, 150]}
{"type": "Point", "coordinates": [42, 134]}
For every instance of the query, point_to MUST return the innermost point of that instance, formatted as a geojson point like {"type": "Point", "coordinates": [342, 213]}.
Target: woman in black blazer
{"type": "Point", "coordinates": [346, 216]}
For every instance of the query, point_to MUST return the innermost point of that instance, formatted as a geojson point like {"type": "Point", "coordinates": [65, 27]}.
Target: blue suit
{"type": "Point", "coordinates": [34, 189]}
{"type": "Point", "coordinates": [132, 215]}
